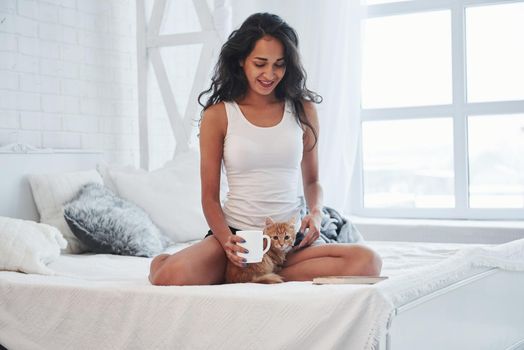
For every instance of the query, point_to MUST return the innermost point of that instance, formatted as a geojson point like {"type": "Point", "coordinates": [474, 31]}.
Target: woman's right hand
{"type": "Point", "coordinates": [231, 248]}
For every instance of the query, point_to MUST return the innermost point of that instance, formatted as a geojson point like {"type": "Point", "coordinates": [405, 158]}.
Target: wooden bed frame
{"type": "Point", "coordinates": [485, 311]}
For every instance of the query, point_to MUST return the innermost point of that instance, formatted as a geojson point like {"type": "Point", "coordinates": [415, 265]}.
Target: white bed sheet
{"type": "Point", "coordinates": [106, 302]}
{"type": "Point", "coordinates": [399, 258]}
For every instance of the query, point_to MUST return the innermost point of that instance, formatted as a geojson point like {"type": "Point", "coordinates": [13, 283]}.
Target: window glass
{"type": "Point", "coordinates": [407, 60]}
{"type": "Point", "coordinates": [408, 163]}
{"type": "Point", "coordinates": [496, 161]}
{"type": "Point", "coordinates": [495, 52]}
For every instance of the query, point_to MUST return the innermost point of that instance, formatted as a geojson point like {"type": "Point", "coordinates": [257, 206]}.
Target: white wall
{"type": "Point", "coordinates": [68, 75]}
{"type": "Point", "coordinates": [68, 72]}
{"type": "Point", "coordinates": [180, 64]}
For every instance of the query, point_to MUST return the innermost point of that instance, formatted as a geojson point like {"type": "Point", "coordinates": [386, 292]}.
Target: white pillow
{"type": "Point", "coordinates": [105, 170]}
{"type": "Point", "coordinates": [170, 195]}
{"type": "Point", "coordinates": [51, 191]}
{"type": "Point", "coordinates": [28, 246]}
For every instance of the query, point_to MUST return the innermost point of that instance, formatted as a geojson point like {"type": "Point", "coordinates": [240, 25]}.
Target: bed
{"type": "Point", "coordinates": [438, 296]}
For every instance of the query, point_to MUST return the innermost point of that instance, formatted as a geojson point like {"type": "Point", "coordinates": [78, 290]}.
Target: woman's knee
{"type": "Point", "coordinates": [169, 271]}
{"type": "Point", "coordinates": [374, 263]}
{"type": "Point", "coordinates": [157, 262]}
{"type": "Point", "coordinates": [366, 261]}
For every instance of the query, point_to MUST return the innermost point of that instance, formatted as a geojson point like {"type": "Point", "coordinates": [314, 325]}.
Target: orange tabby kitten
{"type": "Point", "coordinates": [282, 236]}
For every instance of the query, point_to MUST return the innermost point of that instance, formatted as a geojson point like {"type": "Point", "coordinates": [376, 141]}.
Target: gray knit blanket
{"type": "Point", "coordinates": [334, 228]}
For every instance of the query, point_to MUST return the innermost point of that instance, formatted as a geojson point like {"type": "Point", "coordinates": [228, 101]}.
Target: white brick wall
{"type": "Point", "coordinates": [68, 75]}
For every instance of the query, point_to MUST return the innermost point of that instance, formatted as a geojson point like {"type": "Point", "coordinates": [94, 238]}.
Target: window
{"type": "Point", "coordinates": [442, 110]}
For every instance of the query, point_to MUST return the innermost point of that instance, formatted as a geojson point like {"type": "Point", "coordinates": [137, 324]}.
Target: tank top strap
{"type": "Point", "coordinates": [230, 110]}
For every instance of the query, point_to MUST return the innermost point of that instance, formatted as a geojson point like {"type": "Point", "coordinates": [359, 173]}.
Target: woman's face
{"type": "Point", "coordinates": [265, 66]}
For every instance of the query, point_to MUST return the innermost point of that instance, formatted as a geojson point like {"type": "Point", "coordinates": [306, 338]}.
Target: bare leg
{"type": "Point", "coordinates": [331, 260]}
{"type": "Point", "coordinates": [200, 264]}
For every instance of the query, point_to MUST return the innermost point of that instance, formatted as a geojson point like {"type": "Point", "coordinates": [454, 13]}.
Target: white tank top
{"type": "Point", "coordinates": [263, 170]}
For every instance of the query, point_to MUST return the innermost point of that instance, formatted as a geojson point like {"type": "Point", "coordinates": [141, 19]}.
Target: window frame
{"type": "Point", "coordinates": [459, 109]}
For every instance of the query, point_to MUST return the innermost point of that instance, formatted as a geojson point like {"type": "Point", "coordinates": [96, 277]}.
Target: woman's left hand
{"type": "Point", "coordinates": [311, 228]}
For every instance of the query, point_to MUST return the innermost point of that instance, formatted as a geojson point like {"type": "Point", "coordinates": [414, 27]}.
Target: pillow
{"type": "Point", "coordinates": [105, 169]}
{"type": "Point", "coordinates": [51, 191]}
{"type": "Point", "coordinates": [110, 225]}
{"type": "Point", "coordinates": [28, 246]}
{"type": "Point", "coordinates": [170, 195]}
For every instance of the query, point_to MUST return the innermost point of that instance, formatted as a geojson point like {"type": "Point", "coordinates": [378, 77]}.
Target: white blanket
{"type": "Point", "coordinates": [28, 246]}
{"type": "Point", "coordinates": [106, 302]}
{"type": "Point", "coordinates": [425, 279]}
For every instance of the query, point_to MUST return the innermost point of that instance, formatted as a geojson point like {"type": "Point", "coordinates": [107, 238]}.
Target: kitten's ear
{"type": "Point", "coordinates": [269, 221]}
{"type": "Point", "coordinates": [292, 220]}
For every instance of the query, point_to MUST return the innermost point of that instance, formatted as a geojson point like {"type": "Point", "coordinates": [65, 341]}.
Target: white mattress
{"type": "Point", "coordinates": [106, 302]}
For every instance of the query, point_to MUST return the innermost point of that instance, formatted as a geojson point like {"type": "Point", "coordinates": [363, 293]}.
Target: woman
{"type": "Point", "coordinates": [261, 123]}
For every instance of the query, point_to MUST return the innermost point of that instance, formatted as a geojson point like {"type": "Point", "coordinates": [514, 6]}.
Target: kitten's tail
{"type": "Point", "coordinates": [268, 278]}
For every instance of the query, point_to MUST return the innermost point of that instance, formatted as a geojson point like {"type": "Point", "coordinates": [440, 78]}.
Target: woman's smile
{"type": "Point", "coordinates": [266, 84]}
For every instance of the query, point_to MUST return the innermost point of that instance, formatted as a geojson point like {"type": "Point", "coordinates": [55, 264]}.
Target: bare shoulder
{"type": "Point", "coordinates": [311, 112]}
{"type": "Point", "coordinates": [216, 109]}
{"type": "Point", "coordinates": [309, 106]}
{"type": "Point", "coordinates": [215, 117]}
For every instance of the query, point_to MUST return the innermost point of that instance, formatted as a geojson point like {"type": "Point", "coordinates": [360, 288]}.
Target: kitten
{"type": "Point", "coordinates": [282, 236]}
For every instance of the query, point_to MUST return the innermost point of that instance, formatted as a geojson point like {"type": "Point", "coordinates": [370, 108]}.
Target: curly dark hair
{"type": "Point", "coordinates": [229, 82]}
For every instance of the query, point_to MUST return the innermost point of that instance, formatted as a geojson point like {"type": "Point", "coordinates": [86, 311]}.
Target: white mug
{"type": "Point", "coordinates": [254, 244]}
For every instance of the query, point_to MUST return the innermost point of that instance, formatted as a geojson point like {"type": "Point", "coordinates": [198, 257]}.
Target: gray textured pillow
{"type": "Point", "coordinates": [110, 225]}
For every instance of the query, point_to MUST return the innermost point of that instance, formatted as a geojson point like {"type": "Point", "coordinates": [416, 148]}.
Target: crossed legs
{"type": "Point", "coordinates": [204, 263]}
{"type": "Point", "coordinates": [331, 260]}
